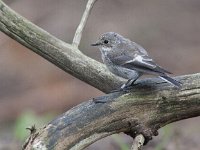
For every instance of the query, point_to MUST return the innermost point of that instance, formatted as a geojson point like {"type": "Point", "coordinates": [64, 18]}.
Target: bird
{"type": "Point", "coordinates": [129, 60]}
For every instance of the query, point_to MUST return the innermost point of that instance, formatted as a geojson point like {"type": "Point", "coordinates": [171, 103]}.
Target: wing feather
{"type": "Point", "coordinates": [141, 63]}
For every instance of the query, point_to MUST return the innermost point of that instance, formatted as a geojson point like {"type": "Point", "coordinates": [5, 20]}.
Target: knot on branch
{"type": "Point", "coordinates": [147, 132]}
{"type": "Point", "coordinates": [32, 129]}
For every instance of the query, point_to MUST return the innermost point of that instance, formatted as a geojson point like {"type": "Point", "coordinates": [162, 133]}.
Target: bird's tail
{"type": "Point", "coordinates": [171, 81]}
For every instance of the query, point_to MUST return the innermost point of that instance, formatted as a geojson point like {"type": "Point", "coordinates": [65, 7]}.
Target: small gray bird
{"type": "Point", "coordinates": [129, 60]}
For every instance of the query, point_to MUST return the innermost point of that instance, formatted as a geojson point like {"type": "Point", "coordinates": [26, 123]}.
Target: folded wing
{"type": "Point", "coordinates": [141, 63]}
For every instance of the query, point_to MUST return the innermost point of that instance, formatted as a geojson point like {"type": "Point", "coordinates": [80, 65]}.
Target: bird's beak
{"type": "Point", "coordinates": [96, 44]}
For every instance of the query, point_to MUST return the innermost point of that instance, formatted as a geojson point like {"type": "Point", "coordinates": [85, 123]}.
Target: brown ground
{"type": "Point", "coordinates": [169, 29]}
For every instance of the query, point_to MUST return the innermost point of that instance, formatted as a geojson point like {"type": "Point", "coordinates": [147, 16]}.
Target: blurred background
{"type": "Point", "coordinates": [34, 91]}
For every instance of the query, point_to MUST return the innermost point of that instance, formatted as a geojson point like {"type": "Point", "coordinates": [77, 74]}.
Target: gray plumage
{"type": "Point", "coordinates": [129, 60]}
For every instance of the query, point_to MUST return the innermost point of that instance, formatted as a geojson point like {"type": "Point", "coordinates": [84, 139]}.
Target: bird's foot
{"type": "Point", "coordinates": [127, 87]}
{"type": "Point", "coordinates": [116, 90]}
{"type": "Point", "coordinates": [123, 88]}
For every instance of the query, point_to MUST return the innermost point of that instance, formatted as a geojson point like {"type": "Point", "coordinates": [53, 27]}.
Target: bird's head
{"type": "Point", "coordinates": [108, 40]}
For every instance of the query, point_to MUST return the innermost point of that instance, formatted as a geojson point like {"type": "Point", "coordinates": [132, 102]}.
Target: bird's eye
{"type": "Point", "coordinates": [105, 41]}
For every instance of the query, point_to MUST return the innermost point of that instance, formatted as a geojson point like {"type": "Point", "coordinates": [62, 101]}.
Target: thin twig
{"type": "Point", "coordinates": [79, 30]}
{"type": "Point", "coordinates": [138, 142]}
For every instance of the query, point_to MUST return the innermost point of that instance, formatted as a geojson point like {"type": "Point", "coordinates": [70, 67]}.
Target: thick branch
{"type": "Point", "coordinates": [63, 55]}
{"type": "Point", "coordinates": [79, 30]}
{"type": "Point", "coordinates": [149, 106]}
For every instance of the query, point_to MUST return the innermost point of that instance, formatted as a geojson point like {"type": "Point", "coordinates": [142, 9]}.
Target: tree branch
{"type": "Point", "coordinates": [143, 110]}
{"type": "Point", "coordinates": [79, 30]}
{"type": "Point", "coordinates": [138, 142]}
{"type": "Point", "coordinates": [62, 54]}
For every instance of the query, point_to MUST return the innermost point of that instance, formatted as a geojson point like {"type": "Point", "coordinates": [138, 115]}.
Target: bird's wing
{"type": "Point", "coordinates": [140, 62]}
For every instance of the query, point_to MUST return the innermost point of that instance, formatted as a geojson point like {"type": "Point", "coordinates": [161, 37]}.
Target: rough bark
{"type": "Point", "coordinates": [149, 106]}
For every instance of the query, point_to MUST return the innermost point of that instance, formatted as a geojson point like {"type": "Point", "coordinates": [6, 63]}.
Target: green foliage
{"type": "Point", "coordinates": [167, 133]}
{"type": "Point", "coordinates": [28, 119]}
{"type": "Point", "coordinates": [119, 140]}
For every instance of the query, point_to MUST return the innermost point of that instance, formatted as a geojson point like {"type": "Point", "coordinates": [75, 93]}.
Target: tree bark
{"type": "Point", "coordinates": [149, 106]}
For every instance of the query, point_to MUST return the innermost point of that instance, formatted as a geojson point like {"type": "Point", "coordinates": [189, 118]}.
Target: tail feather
{"type": "Point", "coordinates": [171, 80]}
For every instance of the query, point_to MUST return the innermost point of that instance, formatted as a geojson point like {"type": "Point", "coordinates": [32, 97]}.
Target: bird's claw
{"type": "Point", "coordinates": [123, 89]}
